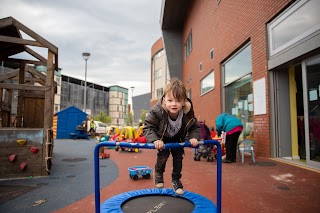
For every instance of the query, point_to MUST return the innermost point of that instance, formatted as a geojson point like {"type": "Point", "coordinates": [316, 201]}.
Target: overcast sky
{"type": "Point", "coordinates": [119, 35]}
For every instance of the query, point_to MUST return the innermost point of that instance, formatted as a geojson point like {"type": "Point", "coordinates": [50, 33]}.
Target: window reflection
{"type": "Point", "coordinates": [207, 83]}
{"type": "Point", "coordinates": [238, 66]}
{"type": "Point", "coordinates": [239, 102]}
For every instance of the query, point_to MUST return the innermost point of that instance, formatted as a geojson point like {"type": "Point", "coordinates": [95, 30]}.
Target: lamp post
{"type": "Point", "coordinates": [132, 88]}
{"type": "Point", "coordinates": [85, 56]}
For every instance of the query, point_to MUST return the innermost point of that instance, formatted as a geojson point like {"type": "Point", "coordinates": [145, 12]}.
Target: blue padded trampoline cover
{"type": "Point", "coordinates": [201, 203]}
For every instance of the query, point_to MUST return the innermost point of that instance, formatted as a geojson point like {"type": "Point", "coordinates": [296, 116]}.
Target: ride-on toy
{"type": "Point", "coordinates": [143, 171]}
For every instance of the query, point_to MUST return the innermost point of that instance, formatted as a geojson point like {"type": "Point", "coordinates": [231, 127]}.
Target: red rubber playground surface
{"type": "Point", "coordinates": [266, 186]}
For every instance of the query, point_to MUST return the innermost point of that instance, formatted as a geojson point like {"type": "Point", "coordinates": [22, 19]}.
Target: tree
{"type": "Point", "coordinates": [103, 117]}
{"type": "Point", "coordinates": [143, 114]}
{"type": "Point", "coordinates": [129, 119]}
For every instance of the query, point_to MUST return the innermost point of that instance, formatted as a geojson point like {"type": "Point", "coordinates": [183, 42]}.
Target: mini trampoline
{"type": "Point", "coordinates": [156, 200]}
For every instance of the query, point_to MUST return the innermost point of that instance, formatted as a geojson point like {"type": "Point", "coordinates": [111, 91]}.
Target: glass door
{"type": "Point", "coordinates": [311, 87]}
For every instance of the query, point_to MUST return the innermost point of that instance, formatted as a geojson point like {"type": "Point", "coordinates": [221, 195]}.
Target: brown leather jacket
{"type": "Point", "coordinates": [156, 122]}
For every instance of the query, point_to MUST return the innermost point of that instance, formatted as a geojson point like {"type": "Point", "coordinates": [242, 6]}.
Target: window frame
{"type": "Point", "coordinates": [288, 12]}
{"type": "Point", "coordinates": [201, 83]}
{"type": "Point", "coordinates": [188, 46]}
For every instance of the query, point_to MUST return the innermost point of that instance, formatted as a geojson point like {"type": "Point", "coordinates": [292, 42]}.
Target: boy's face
{"type": "Point", "coordinates": [172, 105]}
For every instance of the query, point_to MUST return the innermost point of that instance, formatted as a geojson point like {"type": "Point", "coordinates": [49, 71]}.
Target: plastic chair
{"type": "Point", "coordinates": [246, 145]}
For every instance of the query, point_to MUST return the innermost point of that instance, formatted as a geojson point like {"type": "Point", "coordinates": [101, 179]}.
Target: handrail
{"type": "Point", "coordinates": [151, 146]}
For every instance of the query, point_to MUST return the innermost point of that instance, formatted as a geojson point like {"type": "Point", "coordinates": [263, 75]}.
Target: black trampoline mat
{"type": "Point", "coordinates": [157, 203]}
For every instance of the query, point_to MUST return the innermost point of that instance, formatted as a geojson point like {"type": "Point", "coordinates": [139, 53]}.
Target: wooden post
{"type": "Point", "coordinates": [48, 116]}
{"type": "Point", "coordinates": [20, 96]}
{"type": "Point", "coordinates": [1, 107]}
{"type": "Point", "coordinates": [10, 106]}
{"type": "Point", "coordinates": [49, 94]}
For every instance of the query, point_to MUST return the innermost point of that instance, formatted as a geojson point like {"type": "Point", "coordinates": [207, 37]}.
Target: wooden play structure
{"type": "Point", "coordinates": [26, 139]}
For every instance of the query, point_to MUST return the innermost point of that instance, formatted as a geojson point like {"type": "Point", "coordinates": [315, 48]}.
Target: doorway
{"type": "Point", "coordinates": [311, 96]}
{"type": "Point", "coordinates": [302, 141]}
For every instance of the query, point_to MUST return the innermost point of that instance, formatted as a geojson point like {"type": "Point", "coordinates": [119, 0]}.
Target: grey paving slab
{"type": "Point", "coordinates": [71, 179]}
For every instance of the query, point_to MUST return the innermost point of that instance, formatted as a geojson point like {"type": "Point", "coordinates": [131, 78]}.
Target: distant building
{"type": "Point", "coordinates": [118, 101]}
{"type": "Point", "coordinates": [160, 75]}
{"type": "Point", "coordinates": [140, 102]}
{"type": "Point", "coordinates": [72, 94]}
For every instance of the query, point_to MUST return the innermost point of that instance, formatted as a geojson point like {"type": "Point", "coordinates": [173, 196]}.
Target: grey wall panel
{"type": "Point", "coordinates": [173, 46]}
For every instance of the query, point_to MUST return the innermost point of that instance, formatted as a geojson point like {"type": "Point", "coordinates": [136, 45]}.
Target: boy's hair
{"type": "Point", "coordinates": [177, 88]}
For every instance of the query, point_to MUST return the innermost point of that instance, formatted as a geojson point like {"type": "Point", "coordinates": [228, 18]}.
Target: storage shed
{"type": "Point", "coordinates": [66, 121]}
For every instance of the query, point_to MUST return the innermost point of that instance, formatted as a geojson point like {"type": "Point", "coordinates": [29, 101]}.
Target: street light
{"type": "Point", "coordinates": [132, 88]}
{"type": "Point", "coordinates": [85, 57]}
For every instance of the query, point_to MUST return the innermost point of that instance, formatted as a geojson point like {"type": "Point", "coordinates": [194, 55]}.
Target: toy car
{"type": "Point", "coordinates": [143, 171]}
{"type": "Point", "coordinates": [127, 134]}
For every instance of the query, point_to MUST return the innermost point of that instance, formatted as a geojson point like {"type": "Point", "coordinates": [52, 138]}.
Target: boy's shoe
{"type": "Point", "coordinates": [157, 179]}
{"type": "Point", "coordinates": [177, 187]}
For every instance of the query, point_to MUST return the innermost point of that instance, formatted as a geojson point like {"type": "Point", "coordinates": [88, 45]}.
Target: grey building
{"type": "Point", "coordinates": [72, 94]}
{"type": "Point", "coordinates": [140, 102]}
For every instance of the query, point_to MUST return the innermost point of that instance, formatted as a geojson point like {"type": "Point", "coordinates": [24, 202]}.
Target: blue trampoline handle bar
{"type": "Point", "coordinates": [151, 146]}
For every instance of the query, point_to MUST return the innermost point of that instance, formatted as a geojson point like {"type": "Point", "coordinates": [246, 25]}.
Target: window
{"type": "Point", "coordinates": [211, 54]}
{"type": "Point", "coordinates": [102, 125]}
{"type": "Point", "coordinates": [207, 83]}
{"type": "Point", "coordinates": [158, 73]}
{"type": "Point", "coordinates": [200, 66]}
{"type": "Point", "coordinates": [159, 92]}
{"type": "Point", "coordinates": [298, 22]}
{"type": "Point", "coordinates": [238, 99]}
{"type": "Point", "coordinates": [159, 54]}
{"type": "Point", "coordinates": [239, 65]}
{"type": "Point", "coordinates": [188, 46]}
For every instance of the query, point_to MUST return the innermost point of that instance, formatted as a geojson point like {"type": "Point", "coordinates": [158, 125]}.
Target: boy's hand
{"type": "Point", "coordinates": [194, 142]}
{"type": "Point", "coordinates": [158, 144]}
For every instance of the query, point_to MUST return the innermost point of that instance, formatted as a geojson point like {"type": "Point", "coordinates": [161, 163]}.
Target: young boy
{"type": "Point", "coordinates": [169, 121]}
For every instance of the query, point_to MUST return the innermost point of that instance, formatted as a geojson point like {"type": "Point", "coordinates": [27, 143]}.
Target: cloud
{"type": "Point", "coordinates": [119, 35]}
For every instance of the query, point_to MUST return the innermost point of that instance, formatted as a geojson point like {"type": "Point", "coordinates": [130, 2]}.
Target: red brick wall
{"type": "Point", "coordinates": [226, 28]}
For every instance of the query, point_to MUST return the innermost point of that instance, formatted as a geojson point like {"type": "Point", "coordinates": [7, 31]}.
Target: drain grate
{"type": "Point", "coordinates": [70, 176]}
{"type": "Point", "coordinates": [263, 164]}
{"type": "Point", "coordinates": [74, 159]}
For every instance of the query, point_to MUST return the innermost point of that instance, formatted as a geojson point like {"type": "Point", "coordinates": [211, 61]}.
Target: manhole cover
{"type": "Point", "coordinates": [263, 164]}
{"type": "Point", "coordinates": [283, 188]}
{"type": "Point", "coordinates": [74, 159]}
{"type": "Point", "coordinates": [70, 176]}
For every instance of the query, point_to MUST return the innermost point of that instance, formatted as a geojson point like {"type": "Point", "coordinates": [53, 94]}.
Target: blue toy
{"type": "Point", "coordinates": [143, 171]}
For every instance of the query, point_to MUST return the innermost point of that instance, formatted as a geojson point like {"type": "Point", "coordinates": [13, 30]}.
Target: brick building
{"type": "Point", "coordinates": [258, 60]}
